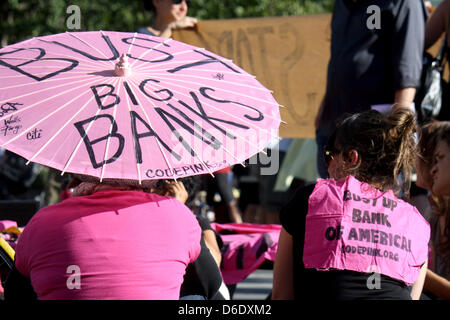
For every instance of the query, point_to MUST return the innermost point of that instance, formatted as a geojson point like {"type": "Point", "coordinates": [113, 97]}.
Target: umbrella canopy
{"type": "Point", "coordinates": [130, 106]}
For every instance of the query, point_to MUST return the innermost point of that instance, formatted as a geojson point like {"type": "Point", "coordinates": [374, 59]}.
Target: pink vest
{"type": "Point", "coordinates": [352, 226]}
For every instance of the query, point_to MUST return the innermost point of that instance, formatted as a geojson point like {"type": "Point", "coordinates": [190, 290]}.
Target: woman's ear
{"type": "Point", "coordinates": [353, 157]}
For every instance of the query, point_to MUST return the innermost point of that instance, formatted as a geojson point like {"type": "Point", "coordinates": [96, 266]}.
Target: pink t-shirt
{"type": "Point", "coordinates": [110, 245]}
{"type": "Point", "coordinates": [352, 226]}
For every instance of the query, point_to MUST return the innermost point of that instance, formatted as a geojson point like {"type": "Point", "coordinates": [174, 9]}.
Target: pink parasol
{"type": "Point", "coordinates": [130, 106]}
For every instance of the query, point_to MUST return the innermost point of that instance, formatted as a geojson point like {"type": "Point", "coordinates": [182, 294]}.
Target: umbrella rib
{"type": "Point", "coordinates": [36, 123]}
{"type": "Point", "coordinates": [150, 67]}
{"type": "Point", "coordinates": [58, 55]}
{"type": "Point", "coordinates": [109, 133]}
{"type": "Point", "coordinates": [229, 91]}
{"type": "Point", "coordinates": [165, 76]}
{"type": "Point", "coordinates": [138, 168]}
{"type": "Point", "coordinates": [131, 44]}
{"type": "Point", "coordinates": [37, 103]}
{"type": "Point", "coordinates": [69, 161]}
{"type": "Point", "coordinates": [89, 45]}
{"type": "Point", "coordinates": [177, 63]}
{"type": "Point", "coordinates": [37, 74]}
{"type": "Point", "coordinates": [221, 110]}
{"type": "Point", "coordinates": [188, 61]}
{"type": "Point", "coordinates": [157, 141]}
{"type": "Point", "coordinates": [248, 75]}
{"type": "Point", "coordinates": [147, 51]}
{"type": "Point", "coordinates": [237, 135]}
{"type": "Point", "coordinates": [46, 82]}
{"type": "Point", "coordinates": [196, 153]}
{"type": "Point", "coordinates": [57, 133]}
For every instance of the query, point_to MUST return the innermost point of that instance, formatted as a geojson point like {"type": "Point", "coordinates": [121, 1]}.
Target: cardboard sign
{"type": "Point", "coordinates": [352, 226]}
{"type": "Point", "coordinates": [288, 55]}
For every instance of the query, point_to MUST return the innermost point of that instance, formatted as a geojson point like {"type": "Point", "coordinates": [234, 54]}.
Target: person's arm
{"type": "Point", "coordinates": [211, 243]}
{"type": "Point", "coordinates": [404, 97]}
{"type": "Point", "coordinates": [407, 50]}
{"type": "Point", "coordinates": [417, 287]}
{"type": "Point", "coordinates": [186, 22]}
{"type": "Point", "coordinates": [437, 23]}
{"type": "Point", "coordinates": [283, 271]}
{"type": "Point", "coordinates": [437, 285]}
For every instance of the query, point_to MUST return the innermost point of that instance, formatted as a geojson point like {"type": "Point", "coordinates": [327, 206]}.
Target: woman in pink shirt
{"type": "Point", "coordinates": [112, 240]}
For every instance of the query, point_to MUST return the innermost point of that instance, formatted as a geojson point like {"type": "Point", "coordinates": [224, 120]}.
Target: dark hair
{"type": "Point", "coordinates": [428, 136]}
{"type": "Point", "coordinates": [191, 184]}
{"type": "Point", "coordinates": [148, 5]}
{"type": "Point", "coordinates": [441, 205]}
{"type": "Point", "coordinates": [385, 144]}
{"type": "Point", "coordinates": [445, 132]}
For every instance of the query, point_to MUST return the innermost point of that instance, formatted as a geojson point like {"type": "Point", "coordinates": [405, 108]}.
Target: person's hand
{"type": "Point", "coordinates": [429, 6]}
{"type": "Point", "coordinates": [177, 190]}
{"type": "Point", "coordinates": [186, 22]}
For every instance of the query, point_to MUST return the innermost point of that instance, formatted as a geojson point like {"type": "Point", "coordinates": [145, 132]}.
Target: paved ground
{"type": "Point", "coordinates": [257, 286]}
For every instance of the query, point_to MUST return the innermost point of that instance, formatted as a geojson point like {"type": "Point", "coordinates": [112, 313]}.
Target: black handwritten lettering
{"type": "Point", "coordinates": [202, 62]}
{"type": "Point", "coordinates": [11, 120]}
{"type": "Point", "coordinates": [378, 236]}
{"type": "Point", "coordinates": [8, 107]}
{"type": "Point", "coordinates": [373, 252]}
{"type": "Point", "coordinates": [373, 217]}
{"type": "Point", "coordinates": [205, 136]}
{"type": "Point", "coordinates": [142, 87]}
{"type": "Point", "coordinates": [334, 233]}
{"type": "Point", "coordinates": [290, 58]}
{"type": "Point", "coordinates": [259, 116]}
{"type": "Point", "coordinates": [196, 168]}
{"type": "Point", "coordinates": [347, 195]}
{"type": "Point", "coordinates": [11, 125]}
{"type": "Point", "coordinates": [10, 129]}
{"type": "Point", "coordinates": [89, 143]}
{"type": "Point", "coordinates": [167, 56]}
{"type": "Point", "coordinates": [98, 98]}
{"type": "Point", "coordinates": [390, 204]}
{"type": "Point", "coordinates": [243, 46]}
{"type": "Point", "coordinates": [208, 119]}
{"type": "Point", "coordinates": [165, 116]}
{"type": "Point", "coordinates": [352, 235]}
{"type": "Point", "coordinates": [39, 57]}
{"type": "Point", "coordinates": [219, 76]}
{"type": "Point", "coordinates": [130, 93]}
{"type": "Point", "coordinates": [364, 234]}
{"type": "Point", "coordinates": [150, 133]}
{"type": "Point", "coordinates": [261, 32]}
{"type": "Point", "coordinates": [35, 134]}
{"type": "Point", "coordinates": [115, 53]}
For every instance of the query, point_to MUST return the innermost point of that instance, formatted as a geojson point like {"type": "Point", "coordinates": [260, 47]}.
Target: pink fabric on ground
{"type": "Point", "coordinates": [246, 249]}
{"type": "Point", "coordinates": [352, 226]}
{"type": "Point", "coordinates": [124, 244]}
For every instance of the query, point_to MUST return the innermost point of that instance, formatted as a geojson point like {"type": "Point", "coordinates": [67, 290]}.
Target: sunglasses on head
{"type": "Point", "coordinates": [180, 1]}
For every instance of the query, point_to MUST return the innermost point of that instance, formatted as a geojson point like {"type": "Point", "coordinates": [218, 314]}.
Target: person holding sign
{"type": "Point", "coordinates": [351, 236]}
{"type": "Point", "coordinates": [375, 63]}
{"type": "Point", "coordinates": [168, 15]}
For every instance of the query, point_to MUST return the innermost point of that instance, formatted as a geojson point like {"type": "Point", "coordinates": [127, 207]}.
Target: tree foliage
{"type": "Point", "coordinates": [20, 20]}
